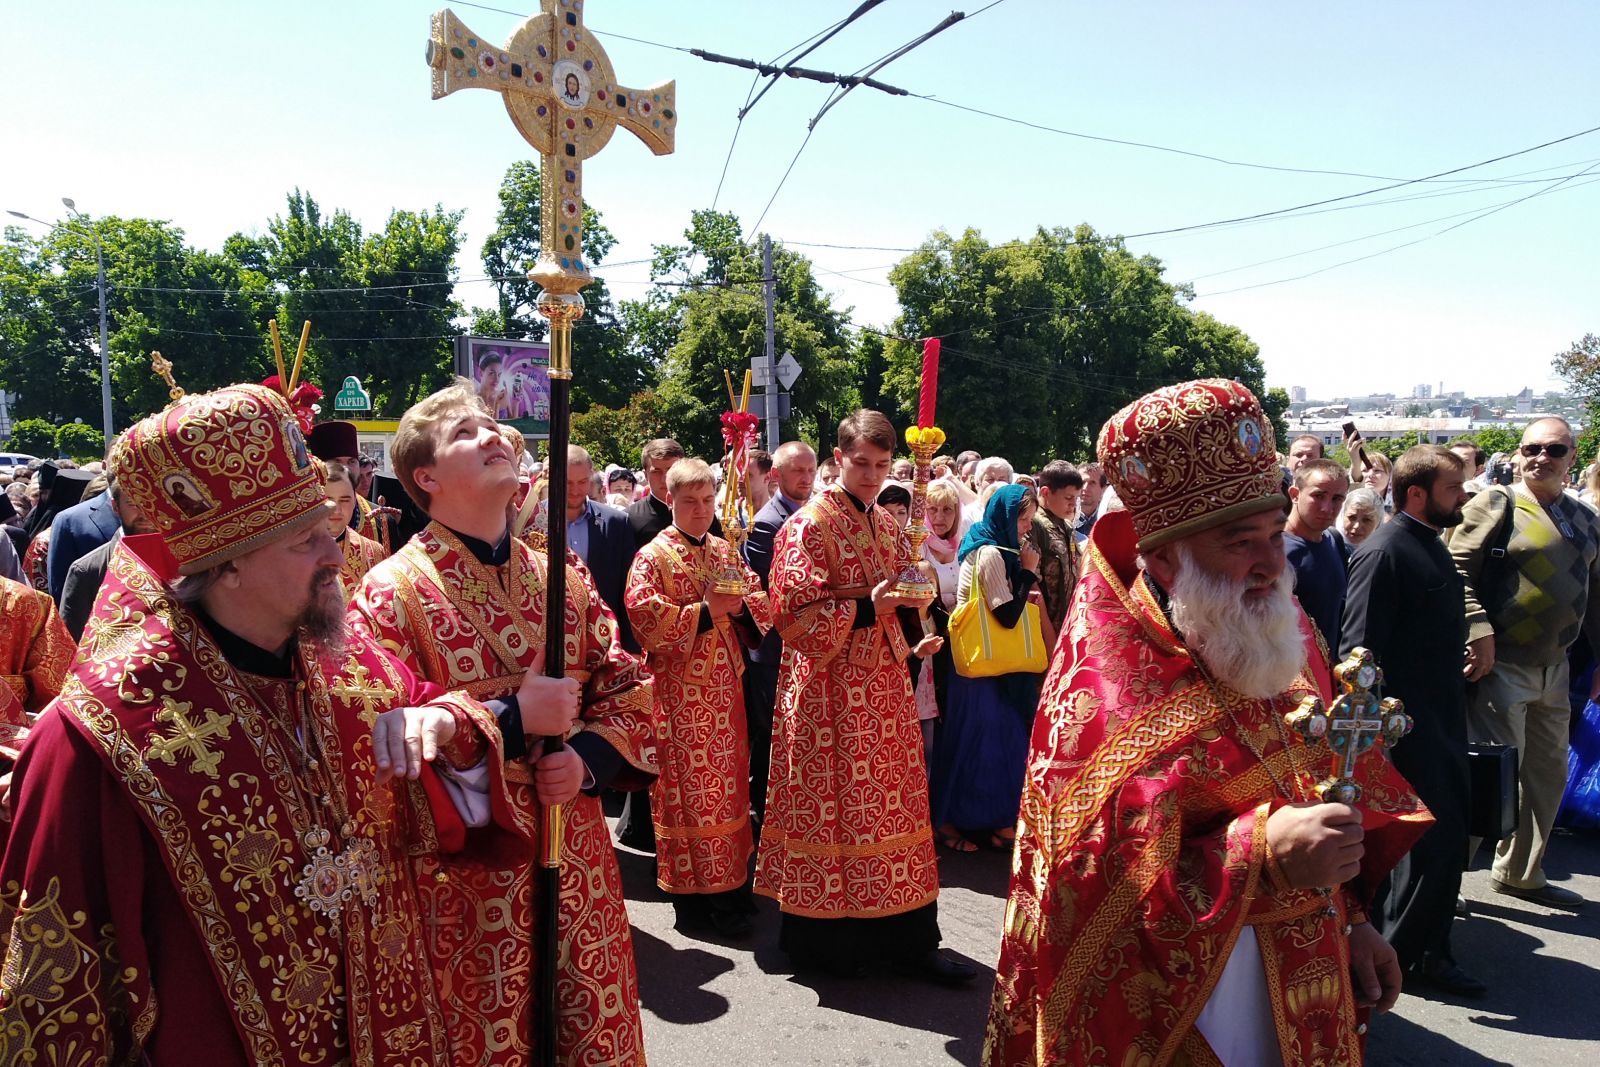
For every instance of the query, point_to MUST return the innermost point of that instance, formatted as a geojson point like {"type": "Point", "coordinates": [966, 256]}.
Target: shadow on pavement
{"type": "Point", "coordinates": [1397, 1042]}
{"type": "Point", "coordinates": [1542, 996]}
{"type": "Point", "coordinates": [678, 993]}
{"type": "Point", "coordinates": [985, 872]}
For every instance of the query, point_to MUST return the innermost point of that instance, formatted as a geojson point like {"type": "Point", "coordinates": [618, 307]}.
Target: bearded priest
{"type": "Point", "coordinates": [205, 863]}
{"type": "Point", "coordinates": [1179, 894]}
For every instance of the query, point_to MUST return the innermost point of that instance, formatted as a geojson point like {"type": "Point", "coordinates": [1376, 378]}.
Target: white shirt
{"type": "Point", "coordinates": [1237, 1020]}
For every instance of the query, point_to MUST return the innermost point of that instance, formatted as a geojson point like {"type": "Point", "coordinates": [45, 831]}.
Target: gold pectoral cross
{"type": "Point", "coordinates": [1357, 721]}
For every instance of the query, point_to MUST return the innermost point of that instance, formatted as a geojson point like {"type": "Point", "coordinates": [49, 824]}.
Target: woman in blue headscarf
{"type": "Point", "coordinates": [982, 749]}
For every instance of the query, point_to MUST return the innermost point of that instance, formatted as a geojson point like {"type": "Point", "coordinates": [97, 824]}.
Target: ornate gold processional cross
{"type": "Point", "coordinates": [563, 97]}
{"type": "Point", "coordinates": [1357, 721]}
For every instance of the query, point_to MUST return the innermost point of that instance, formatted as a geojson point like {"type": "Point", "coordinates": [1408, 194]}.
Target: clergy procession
{"type": "Point", "coordinates": [484, 736]}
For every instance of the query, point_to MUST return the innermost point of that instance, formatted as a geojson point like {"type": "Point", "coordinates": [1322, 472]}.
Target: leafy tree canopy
{"type": "Point", "coordinates": [708, 292]}
{"type": "Point", "coordinates": [1046, 338]}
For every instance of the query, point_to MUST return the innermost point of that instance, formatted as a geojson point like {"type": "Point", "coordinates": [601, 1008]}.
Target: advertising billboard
{"type": "Point", "coordinates": [513, 377]}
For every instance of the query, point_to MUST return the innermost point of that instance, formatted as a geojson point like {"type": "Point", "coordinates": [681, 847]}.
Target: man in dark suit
{"type": "Point", "coordinates": [74, 533]}
{"type": "Point", "coordinates": [1405, 603]}
{"type": "Point", "coordinates": [82, 583]}
{"type": "Point", "coordinates": [602, 538]}
{"type": "Point", "coordinates": [796, 465]}
{"type": "Point", "coordinates": [653, 514]}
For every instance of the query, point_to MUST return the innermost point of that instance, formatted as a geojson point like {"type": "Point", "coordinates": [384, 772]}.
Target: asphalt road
{"type": "Point", "coordinates": [709, 1002]}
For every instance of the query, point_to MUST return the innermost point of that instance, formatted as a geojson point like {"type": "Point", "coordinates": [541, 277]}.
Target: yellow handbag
{"type": "Point", "coordinates": [982, 648]}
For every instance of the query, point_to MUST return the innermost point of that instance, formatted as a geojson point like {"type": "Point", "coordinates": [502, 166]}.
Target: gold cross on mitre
{"type": "Point", "coordinates": [1357, 721]}
{"type": "Point", "coordinates": [564, 99]}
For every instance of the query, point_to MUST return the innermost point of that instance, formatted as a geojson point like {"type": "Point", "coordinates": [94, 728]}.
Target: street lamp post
{"type": "Point", "coordinates": [100, 289]}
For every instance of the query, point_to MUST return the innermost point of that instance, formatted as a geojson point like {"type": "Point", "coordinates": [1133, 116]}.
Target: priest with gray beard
{"type": "Point", "coordinates": [1180, 895]}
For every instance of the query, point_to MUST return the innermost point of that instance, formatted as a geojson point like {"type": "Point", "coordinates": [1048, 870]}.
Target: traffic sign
{"type": "Point", "coordinates": [788, 370]}
{"type": "Point", "coordinates": [352, 397]}
{"type": "Point", "coordinates": [758, 404]}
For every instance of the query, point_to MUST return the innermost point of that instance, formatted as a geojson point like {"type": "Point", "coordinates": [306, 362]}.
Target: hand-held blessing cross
{"type": "Point", "coordinates": [1357, 721]}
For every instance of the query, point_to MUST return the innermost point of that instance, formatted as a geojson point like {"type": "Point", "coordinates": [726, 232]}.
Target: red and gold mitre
{"type": "Point", "coordinates": [1189, 457]}
{"type": "Point", "coordinates": [221, 474]}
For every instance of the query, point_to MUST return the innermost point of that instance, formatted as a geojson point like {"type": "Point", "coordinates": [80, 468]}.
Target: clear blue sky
{"type": "Point", "coordinates": [207, 114]}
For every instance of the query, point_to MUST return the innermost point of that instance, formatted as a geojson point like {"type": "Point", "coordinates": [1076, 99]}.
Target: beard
{"type": "Point", "coordinates": [1435, 514]}
{"type": "Point", "coordinates": [1252, 646]}
{"type": "Point", "coordinates": [322, 620]}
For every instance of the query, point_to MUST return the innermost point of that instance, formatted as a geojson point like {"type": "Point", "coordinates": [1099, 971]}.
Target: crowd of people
{"type": "Point", "coordinates": [277, 718]}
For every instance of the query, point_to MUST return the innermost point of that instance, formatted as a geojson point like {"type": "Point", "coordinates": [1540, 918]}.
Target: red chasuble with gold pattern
{"type": "Point", "coordinates": [35, 560]}
{"type": "Point", "coordinates": [468, 625]}
{"type": "Point", "coordinates": [846, 832]}
{"type": "Point", "coordinates": [361, 554]}
{"type": "Point", "coordinates": [701, 802]}
{"type": "Point", "coordinates": [202, 861]}
{"type": "Point", "coordinates": [1142, 848]}
{"type": "Point", "coordinates": [35, 652]}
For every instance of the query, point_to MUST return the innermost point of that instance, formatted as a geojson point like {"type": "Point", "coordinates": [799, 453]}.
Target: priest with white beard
{"type": "Point", "coordinates": [1179, 894]}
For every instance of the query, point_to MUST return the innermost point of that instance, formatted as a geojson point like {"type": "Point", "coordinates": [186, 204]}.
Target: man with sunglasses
{"type": "Point", "coordinates": [1530, 557]}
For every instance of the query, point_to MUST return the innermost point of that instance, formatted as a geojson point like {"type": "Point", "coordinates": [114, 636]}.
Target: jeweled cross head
{"type": "Point", "coordinates": [563, 96]}
{"type": "Point", "coordinates": [1357, 721]}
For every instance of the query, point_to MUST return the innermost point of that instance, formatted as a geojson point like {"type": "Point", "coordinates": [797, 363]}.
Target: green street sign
{"type": "Point", "coordinates": [351, 397]}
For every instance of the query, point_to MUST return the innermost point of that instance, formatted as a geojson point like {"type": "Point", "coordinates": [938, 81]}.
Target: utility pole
{"type": "Point", "coordinates": [769, 284]}
{"type": "Point", "coordinates": [105, 348]}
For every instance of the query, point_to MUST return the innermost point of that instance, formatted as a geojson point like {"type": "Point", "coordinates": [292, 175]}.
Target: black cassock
{"type": "Point", "coordinates": [1406, 604]}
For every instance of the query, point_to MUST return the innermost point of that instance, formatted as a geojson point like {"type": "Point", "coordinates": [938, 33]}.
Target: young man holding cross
{"type": "Point", "coordinates": [463, 603]}
{"type": "Point", "coordinates": [846, 847]}
{"type": "Point", "coordinates": [693, 636]}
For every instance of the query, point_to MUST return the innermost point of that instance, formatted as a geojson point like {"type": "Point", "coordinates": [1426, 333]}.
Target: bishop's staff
{"type": "Point", "coordinates": [563, 96]}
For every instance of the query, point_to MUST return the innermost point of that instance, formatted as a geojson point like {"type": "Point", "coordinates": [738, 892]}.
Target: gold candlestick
{"type": "Point", "coordinates": [912, 583]}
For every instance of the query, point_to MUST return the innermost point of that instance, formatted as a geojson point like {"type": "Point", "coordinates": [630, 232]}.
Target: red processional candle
{"type": "Point", "coordinates": [930, 381]}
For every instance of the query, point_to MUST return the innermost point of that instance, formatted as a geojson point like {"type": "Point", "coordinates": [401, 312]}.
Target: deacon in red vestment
{"type": "Point", "coordinates": [35, 652]}
{"type": "Point", "coordinates": [692, 637]}
{"type": "Point", "coordinates": [463, 603]}
{"type": "Point", "coordinates": [846, 848]}
{"type": "Point", "coordinates": [360, 553]}
{"type": "Point", "coordinates": [206, 864]}
{"type": "Point", "coordinates": [1178, 893]}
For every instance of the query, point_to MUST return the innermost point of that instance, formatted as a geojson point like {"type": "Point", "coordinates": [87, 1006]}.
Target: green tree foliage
{"type": "Point", "coordinates": [35, 437]}
{"type": "Point", "coordinates": [1048, 337]}
{"type": "Point", "coordinates": [614, 435]}
{"type": "Point", "coordinates": [1494, 439]}
{"type": "Point", "coordinates": [80, 441]}
{"type": "Point", "coordinates": [607, 369]}
{"type": "Point", "coordinates": [380, 305]}
{"type": "Point", "coordinates": [162, 294]}
{"type": "Point", "coordinates": [1579, 367]}
{"type": "Point", "coordinates": [708, 292]}
{"type": "Point", "coordinates": [1275, 403]}
{"type": "Point", "coordinates": [1588, 446]}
